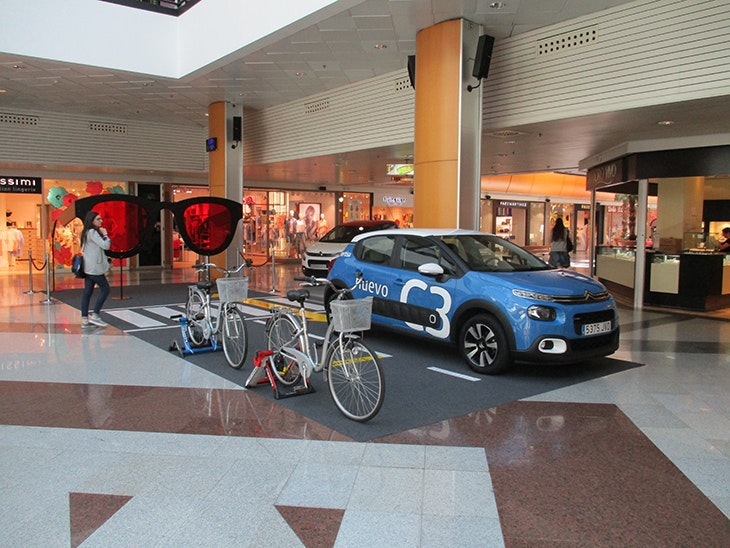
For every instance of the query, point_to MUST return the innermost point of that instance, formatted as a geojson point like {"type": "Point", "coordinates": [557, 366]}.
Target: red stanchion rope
{"type": "Point", "coordinates": [43, 266]}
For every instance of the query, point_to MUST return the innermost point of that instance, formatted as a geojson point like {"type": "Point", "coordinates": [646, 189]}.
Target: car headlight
{"type": "Point", "coordinates": [542, 313]}
{"type": "Point", "coordinates": [534, 295]}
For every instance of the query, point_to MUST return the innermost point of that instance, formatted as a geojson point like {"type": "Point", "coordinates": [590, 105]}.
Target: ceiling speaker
{"type": "Point", "coordinates": [237, 130]}
{"type": "Point", "coordinates": [412, 70]}
{"type": "Point", "coordinates": [483, 56]}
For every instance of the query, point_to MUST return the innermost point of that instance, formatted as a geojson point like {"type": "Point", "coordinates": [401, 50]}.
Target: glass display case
{"type": "Point", "coordinates": [616, 264]}
{"type": "Point", "coordinates": [697, 242]}
{"type": "Point", "coordinates": [664, 273]}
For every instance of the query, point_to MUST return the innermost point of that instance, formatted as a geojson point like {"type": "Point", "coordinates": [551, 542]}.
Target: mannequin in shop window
{"type": "Point", "coordinates": [290, 227]}
{"type": "Point", "coordinates": [300, 237]}
{"type": "Point", "coordinates": [15, 243]}
{"type": "Point", "coordinates": [322, 226]}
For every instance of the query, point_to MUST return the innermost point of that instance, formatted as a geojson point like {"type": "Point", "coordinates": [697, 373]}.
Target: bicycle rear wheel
{"type": "Point", "coordinates": [281, 331]}
{"type": "Point", "coordinates": [235, 337]}
{"type": "Point", "coordinates": [195, 316]}
{"type": "Point", "coordinates": [355, 379]}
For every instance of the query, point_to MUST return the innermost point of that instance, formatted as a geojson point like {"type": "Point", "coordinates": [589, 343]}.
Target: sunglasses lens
{"type": "Point", "coordinates": [209, 226]}
{"type": "Point", "coordinates": [124, 222]}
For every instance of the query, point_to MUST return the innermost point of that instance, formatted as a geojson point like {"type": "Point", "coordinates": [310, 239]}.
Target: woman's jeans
{"type": "Point", "coordinates": [89, 282]}
{"type": "Point", "coordinates": [559, 259]}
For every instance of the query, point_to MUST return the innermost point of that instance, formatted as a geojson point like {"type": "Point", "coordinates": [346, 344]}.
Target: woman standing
{"type": "Point", "coordinates": [94, 241]}
{"type": "Point", "coordinates": [559, 238]}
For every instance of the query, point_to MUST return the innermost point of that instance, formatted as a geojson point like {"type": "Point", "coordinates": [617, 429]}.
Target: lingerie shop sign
{"type": "Point", "coordinates": [21, 185]}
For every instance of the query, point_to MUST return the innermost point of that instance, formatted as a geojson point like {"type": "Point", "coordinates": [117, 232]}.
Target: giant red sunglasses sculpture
{"type": "Point", "coordinates": [207, 225]}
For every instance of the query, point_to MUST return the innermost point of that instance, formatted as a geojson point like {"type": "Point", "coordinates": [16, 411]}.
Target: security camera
{"type": "Point", "coordinates": [547, 200]}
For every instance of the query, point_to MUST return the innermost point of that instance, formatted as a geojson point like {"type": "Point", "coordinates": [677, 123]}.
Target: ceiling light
{"type": "Point", "coordinates": [497, 5]}
{"type": "Point", "coordinates": [665, 123]}
{"type": "Point", "coordinates": [381, 46]}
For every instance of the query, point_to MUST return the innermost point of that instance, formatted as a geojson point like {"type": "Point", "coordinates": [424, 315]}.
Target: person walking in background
{"type": "Point", "coordinates": [559, 238]}
{"type": "Point", "coordinates": [94, 242]}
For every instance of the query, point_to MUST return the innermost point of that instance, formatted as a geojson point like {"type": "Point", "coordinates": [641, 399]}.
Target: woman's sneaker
{"type": "Point", "coordinates": [96, 320]}
{"type": "Point", "coordinates": [85, 322]}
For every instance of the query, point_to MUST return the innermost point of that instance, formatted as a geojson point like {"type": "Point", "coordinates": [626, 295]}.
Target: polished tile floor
{"type": "Point", "coordinates": [108, 441]}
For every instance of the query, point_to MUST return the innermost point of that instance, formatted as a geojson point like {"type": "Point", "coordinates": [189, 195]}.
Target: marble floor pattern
{"type": "Point", "coordinates": [108, 441]}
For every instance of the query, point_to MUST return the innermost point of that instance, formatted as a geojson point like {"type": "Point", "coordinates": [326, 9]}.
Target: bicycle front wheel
{"type": "Point", "coordinates": [195, 316]}
{"type": "Point", "coordinates": [235, 337]}
{"type": "Point", "coordinates": [282, 331]}
{"type": "Point", "coordinates": [355, 379]}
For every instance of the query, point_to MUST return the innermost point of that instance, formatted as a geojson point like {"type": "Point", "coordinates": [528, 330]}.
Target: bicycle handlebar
{"type": "Point", "coordinates": [201, 267]}
{"type": "Point", "coordinates": [314, 281]}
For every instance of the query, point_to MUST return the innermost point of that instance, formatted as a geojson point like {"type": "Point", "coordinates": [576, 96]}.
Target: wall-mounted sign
{"type": "Point", "coordinates": [21, 185]}
{"type": "Point", "coordinates": [504, 203]}
{"type": "Point", "coordinates": [394, 200]}
{"type": "Point", "coordinates": [606, 174]}
{"type": "Point", "coordinates": [400, 170]}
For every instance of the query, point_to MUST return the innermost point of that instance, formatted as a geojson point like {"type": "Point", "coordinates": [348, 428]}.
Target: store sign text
{"type": "Point", "coordinates": [21, 185]}
{"type": "Point", "coordinates": [512, 204]}
{"type": "Point", "coordinates": [394, 200]}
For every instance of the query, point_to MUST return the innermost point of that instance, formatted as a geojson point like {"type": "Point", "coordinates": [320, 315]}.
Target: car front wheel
{"type": "Point", "coordinates": [483, 345]}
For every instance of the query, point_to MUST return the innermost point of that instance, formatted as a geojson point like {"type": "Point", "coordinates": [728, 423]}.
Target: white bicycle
{"type": "Point", "coordinates": [206, 325]}
{"type": "Point", "coordinates": [352, 371]}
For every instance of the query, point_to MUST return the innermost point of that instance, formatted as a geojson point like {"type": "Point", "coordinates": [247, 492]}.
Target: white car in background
{"type": "Point", "coordinates": [319, 255]}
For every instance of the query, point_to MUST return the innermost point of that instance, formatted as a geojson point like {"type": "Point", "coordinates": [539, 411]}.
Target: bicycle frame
{"type": "Point", "coordinates": [306, 362]}
{"type": "Point", "coordinates": [213, 321]}
{"type": "Point", "coordinates": [352, 373]}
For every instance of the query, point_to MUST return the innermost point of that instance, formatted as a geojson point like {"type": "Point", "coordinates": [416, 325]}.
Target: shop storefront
{"type": "Point", "coordinates": [285, 222]}
{"type": "Point", "coordinates": [20, 197]}
{"type": "Point", "coordinates": [659, 245]}
{"type": "Point", "coordinates": [393, 205]}
{"type": "Point", "coordinates": [32, 206]}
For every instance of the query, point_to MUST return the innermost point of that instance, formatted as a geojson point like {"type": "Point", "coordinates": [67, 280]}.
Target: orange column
{"type": "Point", "coordinates": [225, 170]}
{"type": "Point", "coordinates": [447, 127]}
{"type": "Point", "coordinates": [217, 158]}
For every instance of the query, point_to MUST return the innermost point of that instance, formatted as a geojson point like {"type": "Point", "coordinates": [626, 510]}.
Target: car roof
{"type": "Point", "coordinates": [367, 222]}
{"type": "Point", "coordinates": [419, 232]}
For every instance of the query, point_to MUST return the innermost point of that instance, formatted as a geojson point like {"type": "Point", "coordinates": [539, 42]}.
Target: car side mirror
{"type": "Point", "coordinates": [431, 269]}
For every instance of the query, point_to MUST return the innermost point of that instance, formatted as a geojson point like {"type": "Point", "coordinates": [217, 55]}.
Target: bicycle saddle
{"type": "Point", "coordinates": [298, 295]}
{"type": "Point", "coordinates": [205, 285]}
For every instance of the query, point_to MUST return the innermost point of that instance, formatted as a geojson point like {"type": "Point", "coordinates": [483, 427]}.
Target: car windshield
{"type": "Point", "coordinates": [489, 253]}
{"type": "Point", "coordinates": [343, 234]}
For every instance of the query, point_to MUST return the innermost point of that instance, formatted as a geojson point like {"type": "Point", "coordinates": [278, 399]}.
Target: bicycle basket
{"type": "Point", "coordinates": [352, 315]}
{"type": "Point", "coordinates": [232, 289]}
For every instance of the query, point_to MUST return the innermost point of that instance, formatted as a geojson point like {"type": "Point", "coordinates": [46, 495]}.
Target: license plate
{"type": "Point", "coordinates": [597, 328]}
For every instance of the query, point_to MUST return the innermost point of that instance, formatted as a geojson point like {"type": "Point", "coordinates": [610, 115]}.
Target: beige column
{"type": "Point", "coordinates": [679, 206]}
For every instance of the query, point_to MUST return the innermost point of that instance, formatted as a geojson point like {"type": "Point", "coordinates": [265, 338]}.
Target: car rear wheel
{"type": "Point", "coordinates": [483, 345]}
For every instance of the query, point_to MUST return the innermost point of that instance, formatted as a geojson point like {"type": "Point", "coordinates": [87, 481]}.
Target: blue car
{"type": "Point", "coordinates": [497, 302]}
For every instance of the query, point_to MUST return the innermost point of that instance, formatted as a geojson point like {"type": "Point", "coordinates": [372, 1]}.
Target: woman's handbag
{"type": "Point", "coordinates": [77, 266]}
{"type": "Point", "coordinates": [570, 245]}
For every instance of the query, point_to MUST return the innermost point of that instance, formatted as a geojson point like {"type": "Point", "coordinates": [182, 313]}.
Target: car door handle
{"type": "Point", "coordinates": [399, 281]}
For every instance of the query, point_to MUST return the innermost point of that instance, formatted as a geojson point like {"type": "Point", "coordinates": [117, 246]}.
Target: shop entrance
{"type": "Point", "coordinates": [151, 252]}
